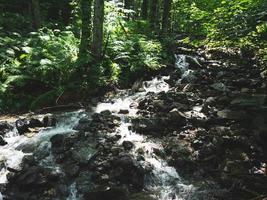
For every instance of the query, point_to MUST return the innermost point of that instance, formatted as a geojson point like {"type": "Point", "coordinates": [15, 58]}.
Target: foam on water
{"type": "Point", "coordinates": [73, 192]}
{"type": "Point", "coordinates": [164, 180]}
{"type": "Point", "coordinates": [11, 155]}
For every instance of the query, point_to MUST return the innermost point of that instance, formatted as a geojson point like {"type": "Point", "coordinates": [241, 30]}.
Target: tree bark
{"type": "Point", "coordinates": [166, 16]}
{"type": "Point", "coordinates": [97, 44]}
{"type": "Point", "coordinates": [36, 22]}
{"type": "Point", "coordinates": [144, 9]}
{"type": "Point", "coordinates": [86, 29]}
{"type": "Point", "coordinates": [154, 13]}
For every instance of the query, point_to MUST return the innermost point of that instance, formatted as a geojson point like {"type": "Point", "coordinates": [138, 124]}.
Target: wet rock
{"type": "Point", "coordinates": [197, 144]}
{"type": "Point", "coordinates": [83, 125]}
{"type": "Point", "coordinates": [36, 176]}
{"type": "Point", "coordinates": [189, 77]}
{"type": "Point", "coordinates": [122, 111]}
{"type": "Point", "coordinates": [153, 126]}
{"type": "Point", "coordinates": [177, 116]}
{"type": "Point", "coordinates": [2, 141]}
{"type": "Point", "coordinates": [35, 182]}
{"type": "Point", "coordinates": [159, 105]}
{"type": "Point", "coordinates": [145, 125]}
{"type": "Point", "coordinates": [107, 193]}
{"type": "Point", "coordinates": [188, 88]}
{"type": "Point", "coordinates": [242, 82]}
{"type": "Point", "coordinates": [127, 145]}
{"type": "Point", "coordinates": [255, 101]}
{"type": "Point", "coordinates": [174, 77]}
{"type": "Point", "coordinates": [106, 113]}
{"type": "Point", "coordinates": [57, 143]}
{"type": "Point", "coordinates": [159, 152]}
{"type": "Point", "coordinates": [116, 151]}
{"type": "Point", "coordinates": [33, 123]}
{"type": "Point", "coordinates": [196, 116]}
{"type": "Point", "coordinates": [22, 126]}
{"type": "Point", "coordinates": [180, 155]}
{"type": "Point", "coordinates": [210, 101]}
{"type": "Point", "coordinates": [5, 127]}
{"type": "Point", "coordinates": [40, 152]}
{"type": "Point", "coordinates": [84, 182]}
{"type": "Point", "coordinates": [134, 105]}
{"type": "Point", "coordinates": [30, 177]}
{"type": "Point", "coordinates": [126, 170]}
{"type": "Point", "coordinates": [220, 131]}
{"type": "Point", "coordinates": [49, 121]}
{"type": "Point", "coordinates": [71, 168]}
{"type": "Point", "coordinates": [140, 158]}
{"type": "Point", "coordinates": [193, 62]}
{"type": "Point", "coordinates": [232, 115]}
{"type": "Point", "coordinates": [179, 106]}
{"type": "Point", "coordinates": [221, 87]}
{"type": "Point", "coordinates": [158, 126]}
{"type": "Point", "coordinates": [137, 85]}
{"type": "Point", "coordinates": [83, 154]}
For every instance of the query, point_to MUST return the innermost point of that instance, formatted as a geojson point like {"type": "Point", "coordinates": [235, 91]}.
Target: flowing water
{"type": "Point", "coordinates": [11, 155]}
{"type": "Point", "coordinates": [164, 181]}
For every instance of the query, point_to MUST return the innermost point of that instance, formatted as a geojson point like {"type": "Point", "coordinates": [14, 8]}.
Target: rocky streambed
{"type": "Point", "coordinates": [196, 131]}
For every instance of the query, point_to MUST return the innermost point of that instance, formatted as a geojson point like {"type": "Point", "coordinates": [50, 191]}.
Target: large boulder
{"type": "Point", "coordinates": [127, 145]}
{"type": "Point", "coordinates": [49, 120]}
{"type": "Point", "coordinates": [23, 125]}
{"type": "Point", "coordinates": [57, 143]}
{"type": "Point", "coordinates": [180, 154]}
{"type": "Point", "coordinates": [2, 141]}
{"type": "Point", "coordinates": [127, 170]}
{"type": "Point", "coordinates": [5, 127]}
{"type": "Point", "coordinates": [36, 182]}
{"type": "Point", "coordinates": [159, 126]}
{"type": "Point", "coordinates": [83, 125]}
{"type": "Point", "coordinates": [149, 126]}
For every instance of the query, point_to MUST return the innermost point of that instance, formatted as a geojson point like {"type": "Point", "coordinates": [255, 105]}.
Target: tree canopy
{"type": "Point", "coordinates": [55, 43]}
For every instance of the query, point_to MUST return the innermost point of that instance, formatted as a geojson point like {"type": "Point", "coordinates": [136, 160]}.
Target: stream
{"type": "Point", "coordinates": [164, 179]}
{"type": "Point", "coordinates": [163, 183]}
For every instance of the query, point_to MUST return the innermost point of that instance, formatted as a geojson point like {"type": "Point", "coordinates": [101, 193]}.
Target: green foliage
{"type": "Point", "coordinates": [14, 22]}
{"type": "Point", "coordinates": [46, 57]}
{"type": "Point", "coordinates": [130, 51]}
{"type": "Point", "coordinates": [241, 23]}
{"type": "Point", "coordinates": [38, 68]}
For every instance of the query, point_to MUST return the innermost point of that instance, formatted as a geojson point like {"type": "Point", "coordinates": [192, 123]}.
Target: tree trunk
{"type": "Point", "coordinates": [166, 16]}
{"type": "Point", "coordinates": [144, 9]}
{"type": "Point", "coordinates": [36, 22]}
{"type": "Point", "coordinates": [97, 44]}
{"type": "Point", "coordinates": [154, 13]}
{"type": "Point", "coordinates": [128, 4]}
{"type": "Point", "coordinates": [86, 29]}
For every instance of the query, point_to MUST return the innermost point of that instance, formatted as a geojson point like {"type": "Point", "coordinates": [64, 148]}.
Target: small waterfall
{"type": "Point", "coordinates": [11, 155]}
{"type": "Point", "coordinates": [181, 63]}
{"type": "Point", "coordinates": [164, 181]}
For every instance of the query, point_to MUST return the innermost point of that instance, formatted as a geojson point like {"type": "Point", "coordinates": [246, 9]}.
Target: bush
{"type": "Point", "coordinates": [41, 60]}
{"type": "Point", "coordinates": [129, 52]}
